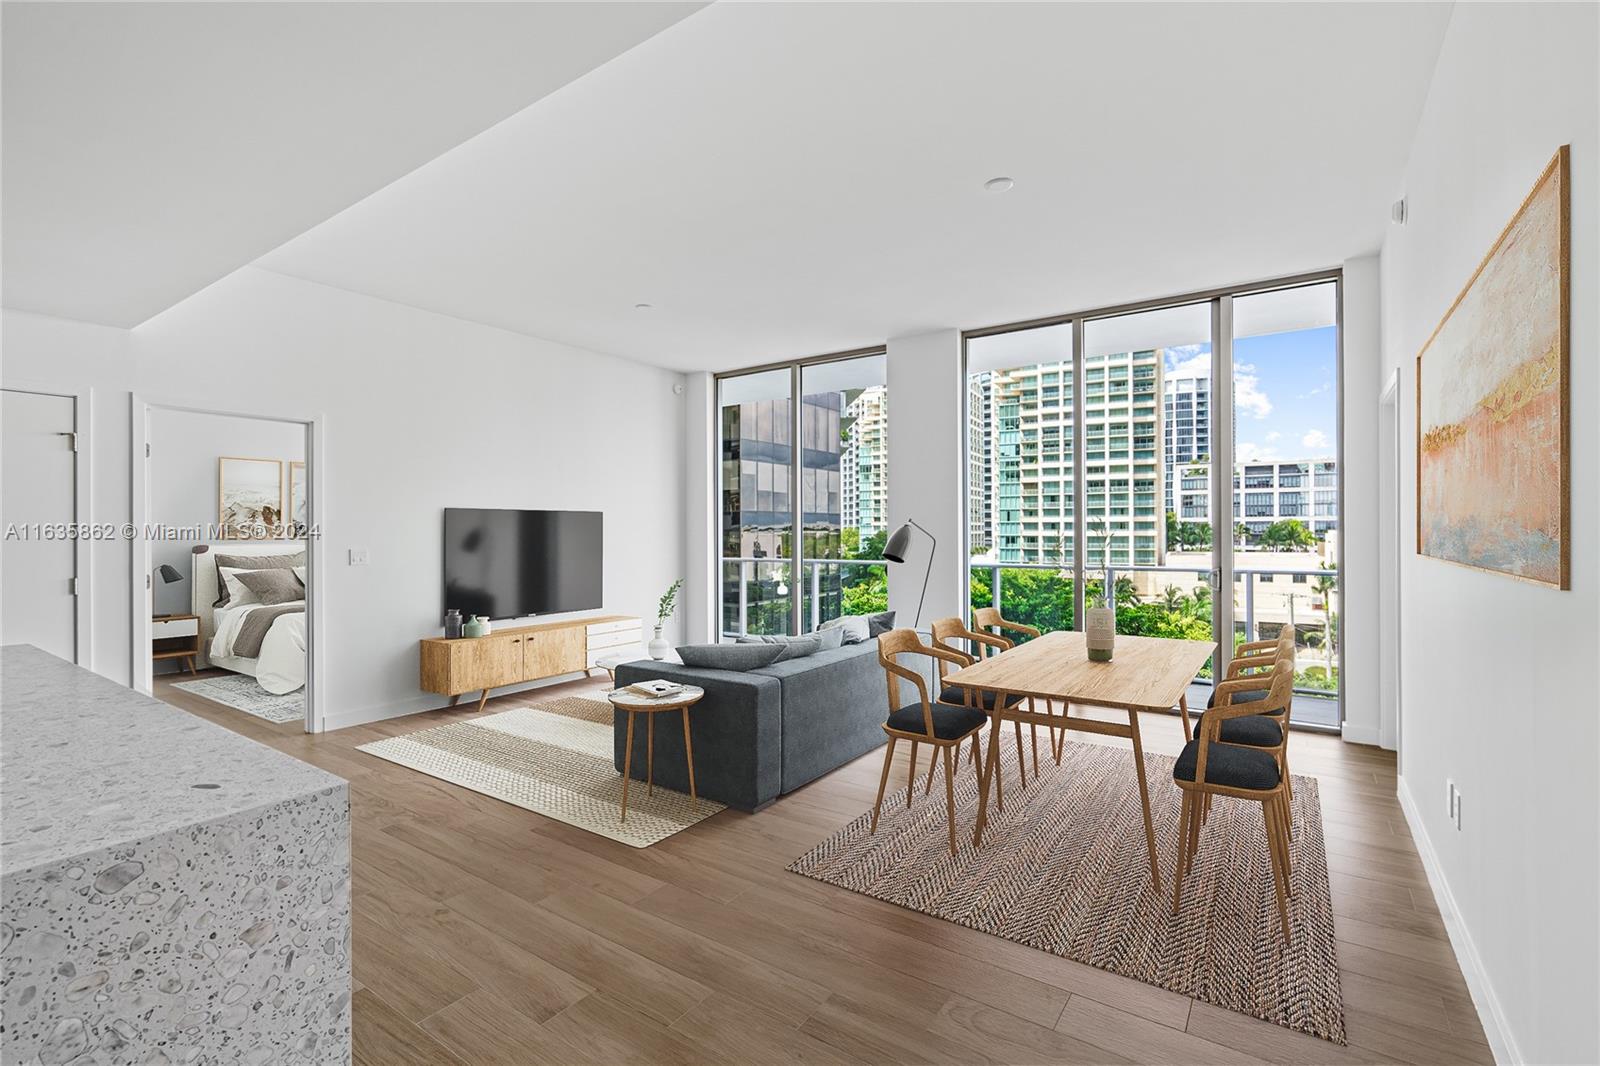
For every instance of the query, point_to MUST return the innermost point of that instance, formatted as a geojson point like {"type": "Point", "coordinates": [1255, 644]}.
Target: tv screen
{"type": "Point", "coordinates": [509, 564]}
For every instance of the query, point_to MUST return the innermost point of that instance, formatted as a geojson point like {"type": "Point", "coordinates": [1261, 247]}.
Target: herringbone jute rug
{"type": "Point", "coordinates": [1064, 869]}
{"type": "Point", "coordinates": [555, 759]}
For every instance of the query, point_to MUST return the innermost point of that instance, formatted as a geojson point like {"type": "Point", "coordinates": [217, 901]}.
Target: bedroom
{"type": "Point", "coordinates": [227, 579]}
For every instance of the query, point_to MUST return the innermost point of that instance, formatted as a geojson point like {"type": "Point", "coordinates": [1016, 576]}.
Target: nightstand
{"type": "Point", "coordinates": [175, 636]}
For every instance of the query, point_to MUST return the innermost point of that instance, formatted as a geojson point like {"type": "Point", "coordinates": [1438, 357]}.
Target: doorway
{"type": "Point", "coordinates": [45, 557]}
{"type": "Point", "coordinates": [227, 604]}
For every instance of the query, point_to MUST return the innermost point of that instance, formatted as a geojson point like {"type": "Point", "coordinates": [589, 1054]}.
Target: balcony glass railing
{"type": "Point", "coordinates": [758, 595]}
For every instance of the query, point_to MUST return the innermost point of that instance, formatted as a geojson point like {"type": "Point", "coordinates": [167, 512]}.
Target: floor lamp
{"type": "Point", "coordinates": [895, 552]}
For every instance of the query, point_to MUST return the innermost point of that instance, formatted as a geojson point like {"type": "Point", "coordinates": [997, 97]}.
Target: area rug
{"type": "Point", "coordinates": [1065, 869]}
{"type": "Point", "coordinates": [554, 759]}
{"type": "Point", "coordinates": [244, 693]}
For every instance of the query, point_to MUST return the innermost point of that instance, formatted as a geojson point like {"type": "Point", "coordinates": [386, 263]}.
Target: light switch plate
{"type": "Point", "coordinates": [358, 557]}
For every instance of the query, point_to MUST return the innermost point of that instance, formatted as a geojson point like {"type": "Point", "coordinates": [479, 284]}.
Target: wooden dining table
{"type": "Point", "coordinates": [1144, 674]}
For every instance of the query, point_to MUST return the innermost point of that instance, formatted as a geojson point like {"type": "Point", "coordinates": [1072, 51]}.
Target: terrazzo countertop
{"type": "Point", "coordinates": [86, 764]}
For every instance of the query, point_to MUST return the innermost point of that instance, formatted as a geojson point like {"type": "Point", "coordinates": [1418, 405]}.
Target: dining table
{"type": "Point", "coordinates": [1144, 674]}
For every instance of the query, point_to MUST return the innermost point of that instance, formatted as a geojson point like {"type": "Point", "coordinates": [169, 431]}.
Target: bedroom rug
{"type": "Point", "coordinates": [1064, 869]}
{"type": "Point", "coordinates": [244, 693]}
{"type": "Point", "coordinates": [555, 759]}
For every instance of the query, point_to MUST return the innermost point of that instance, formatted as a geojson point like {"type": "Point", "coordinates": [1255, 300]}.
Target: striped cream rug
{"type": "Point", "coordinates": [555, 759]}
{"type": "Point", "coordinates": [1064, 869]}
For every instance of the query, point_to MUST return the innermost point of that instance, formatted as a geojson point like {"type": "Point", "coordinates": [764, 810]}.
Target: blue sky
{"type": "Point", "coordinates": [1286, 405]}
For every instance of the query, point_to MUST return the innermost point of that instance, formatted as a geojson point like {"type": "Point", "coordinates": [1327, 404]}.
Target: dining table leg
{"type": "Point", "coordinates": [1144, 796]}
{"type": "Point", "coordinates": [988, 772]}
{"type": "Point", "coordinates": [1183, 705]}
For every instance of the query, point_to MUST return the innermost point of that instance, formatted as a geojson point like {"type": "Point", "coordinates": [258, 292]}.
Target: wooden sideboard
{"type": "Point", "coordinates": [523, 653]}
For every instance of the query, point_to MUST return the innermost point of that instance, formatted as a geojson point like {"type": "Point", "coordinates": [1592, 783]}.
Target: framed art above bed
{"type": "Point", "coordinates": [249, 498]}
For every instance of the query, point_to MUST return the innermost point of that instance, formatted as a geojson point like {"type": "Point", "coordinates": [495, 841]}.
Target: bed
{"type": "Point", "coordinates": [279, 664]}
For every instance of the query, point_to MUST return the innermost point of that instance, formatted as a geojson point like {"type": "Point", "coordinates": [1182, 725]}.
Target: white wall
{"type": "Point", "coordinates": [925, 463]}
{"type": "Point", "coordinates": [1499, 680]}
{"type": "Point", "coordinates": [422, 412]}
{"type": "Point", "coordinates": [702, 594]}
{"type": "Point", "coordinates": [1358, 535]}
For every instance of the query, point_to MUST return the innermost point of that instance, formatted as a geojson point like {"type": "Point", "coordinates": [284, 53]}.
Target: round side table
{"type": "Point", "coordinates": [635, 705]}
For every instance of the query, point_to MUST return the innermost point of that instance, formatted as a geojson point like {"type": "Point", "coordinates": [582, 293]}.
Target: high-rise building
{"type": "Point", "coordinates": [864, 461]}
{"type": "Point", "coordinates": [1031, 443]}
{"type": "Point", "coordinates": [980, 462]}
{"type": "Point", "coordinates": [1265, 491]}
{"type": "Point", "coordinates": [1186, 410]}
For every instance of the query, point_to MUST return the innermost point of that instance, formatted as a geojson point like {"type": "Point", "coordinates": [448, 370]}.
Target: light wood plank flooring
{"type": "Point", "coordinates": [487, 934]}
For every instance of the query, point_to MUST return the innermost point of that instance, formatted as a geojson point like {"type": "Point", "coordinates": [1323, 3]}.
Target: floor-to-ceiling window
{"type": "Point", "coordinates": [1156, 421]}
{"type": "Point", "coordinates": [804, 494]}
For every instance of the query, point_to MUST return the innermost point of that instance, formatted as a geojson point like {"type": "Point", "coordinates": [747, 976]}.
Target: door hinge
{"type": "Point", "coordinates": [147, 581]}
{"type": "Point", "coordinates": [73, 582]}
{"type": "Point", "coordinates": [147, 451]}
{"type": "Point", "coordinates": [72, 439]}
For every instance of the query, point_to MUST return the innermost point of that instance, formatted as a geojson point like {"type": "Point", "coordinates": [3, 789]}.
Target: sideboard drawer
{"type": "Point", "coordinates": [633, 634]}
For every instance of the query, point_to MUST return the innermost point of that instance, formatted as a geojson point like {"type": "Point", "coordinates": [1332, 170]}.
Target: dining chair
{"type": "Point", "coordinates": [1265, 728]}
{"type": "Point", "coordinates": [988, 619]}
{"type": "Point", "coordinates": [927, 721]}
{"type": "Point", "coordinates": [944, 631]}
{"type": "Point", "coordinates": [1210, 766]}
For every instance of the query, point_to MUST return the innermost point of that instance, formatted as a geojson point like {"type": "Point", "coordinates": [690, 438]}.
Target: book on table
{"type": "Point", "coordinates": [655, 689]}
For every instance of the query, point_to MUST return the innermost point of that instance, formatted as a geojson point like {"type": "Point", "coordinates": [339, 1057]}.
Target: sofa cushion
{"type": "Point", "coordinates": [855, 627]}
{"type": "Point", "coordinates": [880, 623]}
{"type": "Point", "coordinates": [829, 639]}
{"type": "Point", "coordinates": [794, 647]}
{"type": "Point", "coordinates": [740, 657]}
{"type": "Point", "coordinates": [949, 722]}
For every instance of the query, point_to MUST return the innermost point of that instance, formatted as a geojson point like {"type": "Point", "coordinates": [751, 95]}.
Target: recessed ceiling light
{"type": "Point", "coordinates": [644, 307]}
{"type": "Point", "coordinates": [998, 184]}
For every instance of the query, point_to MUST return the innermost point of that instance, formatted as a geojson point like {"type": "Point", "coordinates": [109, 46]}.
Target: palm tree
{"type": "Point", "coordinates": [1324, 586]}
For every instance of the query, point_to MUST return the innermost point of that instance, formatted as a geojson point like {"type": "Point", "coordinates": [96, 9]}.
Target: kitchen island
{"type": "Point", "coordinates": [172, 891]}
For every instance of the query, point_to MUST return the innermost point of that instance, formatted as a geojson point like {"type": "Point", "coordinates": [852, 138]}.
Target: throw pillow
{"type": "Point", "coordinates": [829, 639]}
{"type": "Point", "coordinates": [273, 586]}
{"type": "Point", "coordinates": [234, 592]}
{"type": "Point", "coordinates": [798, 648]}
{"type": "Point", "coordinates": [729, 656]}
{"type": "Point", "coordinates": [253, 562]}
{"type": "Point", "coordinates": [879, 624]}
{"type": "Point", "coordinates": [854, 626]}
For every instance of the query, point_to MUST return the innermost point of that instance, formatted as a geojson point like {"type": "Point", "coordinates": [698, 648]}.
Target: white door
{"type": "Point", "coordinates": [37, 492]}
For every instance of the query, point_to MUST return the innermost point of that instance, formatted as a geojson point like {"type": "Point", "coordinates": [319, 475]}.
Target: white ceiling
{"type": "Point", "coordinates": [785, 180]}
{"type": "Point", "coordinates": [150, 149]}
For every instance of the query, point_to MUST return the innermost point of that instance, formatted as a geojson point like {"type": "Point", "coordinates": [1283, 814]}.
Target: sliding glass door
{"type": "Point", "coordinates": [1183, 456]}
{"type": "Point", "coordinates": [804, 487]}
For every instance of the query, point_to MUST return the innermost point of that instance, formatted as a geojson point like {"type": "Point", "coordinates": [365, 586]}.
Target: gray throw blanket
{"type": "Point", "coordinates": [247, 644]}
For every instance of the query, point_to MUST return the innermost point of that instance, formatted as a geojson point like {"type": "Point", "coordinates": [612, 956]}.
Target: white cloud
{"type": "Point", "coordinates": [1247, 395]}
{"type": "Point", "coordinates": [1274, 435]}
{"type": "Point", "coordinates": [1248, 452]}
{"type": "Point", "coordinates": [1188, 361]}
{"type": "Point", "coordinates": [1315, 439]}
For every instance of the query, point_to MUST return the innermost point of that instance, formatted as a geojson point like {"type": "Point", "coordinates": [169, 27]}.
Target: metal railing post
{"type": "Point", "coordinates": [744, 598]}
{"type": "Point", "coordinates": [816, 595]}
{"type": "Point", "coordinates": [994, 589]}
{"type": "Point", "coordinates": [1249, 606]}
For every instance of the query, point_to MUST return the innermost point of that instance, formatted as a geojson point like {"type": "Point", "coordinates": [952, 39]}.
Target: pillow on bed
{"type": "Point", "coordinates": [233, 591]}
{"type": "Point", "coordinates": [273, 586]}
{"type": "Point", "coordinates": [253, 562]}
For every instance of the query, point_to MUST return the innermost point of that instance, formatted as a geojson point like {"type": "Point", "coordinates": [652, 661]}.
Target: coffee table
{"type": "Point", "coordinates": [635, 705]}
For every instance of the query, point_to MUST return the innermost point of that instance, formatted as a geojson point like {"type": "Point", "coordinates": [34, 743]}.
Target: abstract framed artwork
{"type": "Point", "coordinates": [1493, 469]}
{"type": "Point", "coordinates": [249, 498]}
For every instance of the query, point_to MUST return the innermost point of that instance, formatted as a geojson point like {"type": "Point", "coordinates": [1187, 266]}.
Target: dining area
{"type": "Point", "coordinates": [1202, 872]}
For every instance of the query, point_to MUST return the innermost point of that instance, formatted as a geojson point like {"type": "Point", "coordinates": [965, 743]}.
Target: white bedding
{"type": "Point", "coordinates": [281, 666]}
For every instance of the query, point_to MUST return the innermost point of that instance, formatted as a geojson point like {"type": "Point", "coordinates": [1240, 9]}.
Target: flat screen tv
{"type": "Point", "coordinates": [510, 564]}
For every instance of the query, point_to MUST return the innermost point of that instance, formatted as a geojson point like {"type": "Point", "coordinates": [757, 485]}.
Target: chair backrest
{"type": "Point", "coordinates": [899, 642]}
{"type": "Point", "coordinates": [987, 617]}
{"type": "Point", "coordinates": [946, 630]}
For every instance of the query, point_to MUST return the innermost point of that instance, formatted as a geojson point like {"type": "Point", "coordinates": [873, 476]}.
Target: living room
{"type": "Point", "coordinates": [764, 351]}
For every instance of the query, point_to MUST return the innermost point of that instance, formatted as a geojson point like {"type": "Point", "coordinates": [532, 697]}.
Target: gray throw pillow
{"type": "Point", "coordinates": [729, 656]}
{"type": "Point", "coordinates": [829, 639]}
{"type": "Point", "coordinates": [253, 562]}
{"type": "Point", "coordinates": [879, 624]}
{"type": "Point", "coordinates": [854, 626]}
{"type": "Point", "coordinates": [273, 586]}
{"type": "Point", "coordinates": [798, 648]}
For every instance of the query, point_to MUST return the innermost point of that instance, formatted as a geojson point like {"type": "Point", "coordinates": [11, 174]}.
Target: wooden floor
{"type": "Point", "coordinates": [487, 934]}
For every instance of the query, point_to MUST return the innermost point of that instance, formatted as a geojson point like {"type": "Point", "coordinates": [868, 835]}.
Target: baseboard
{"type": "Point", "coordinates": [1359, 734]}
{"type": "Point", "coordinates": [427, 701]}
{"type": "Point", "coordinates": [1495, 1027]}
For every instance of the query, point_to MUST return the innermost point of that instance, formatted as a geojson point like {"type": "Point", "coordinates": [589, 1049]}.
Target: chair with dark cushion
{"type": "Point", "coordinates": [1266, 727]}
{"type": "Point", "coordinates": [989, 619]}
{"type": "Point", "coordinates": [1210, 766]}
{"type": "Point", "coordinates": [942, 725]}
{"type": "Point", "coordinates": [948, 630]}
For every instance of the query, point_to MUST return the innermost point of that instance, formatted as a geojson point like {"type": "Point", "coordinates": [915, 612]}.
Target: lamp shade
{"type": "Point", "coordinates": [895, 549]}
{"type": "Point", "coordinates": [169, 573]}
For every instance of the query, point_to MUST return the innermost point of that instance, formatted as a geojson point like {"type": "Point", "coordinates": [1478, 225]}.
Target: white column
{"type": "Point", "coordinates": [701, 581]}
{"type": "Point", "coordinates": [1358, 533]}
{"type": "Point", "coordinates": [925, 471]}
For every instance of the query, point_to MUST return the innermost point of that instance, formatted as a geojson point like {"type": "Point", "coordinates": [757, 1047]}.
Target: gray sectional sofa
{"type": "Point", "coordinates": [761, 733]}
